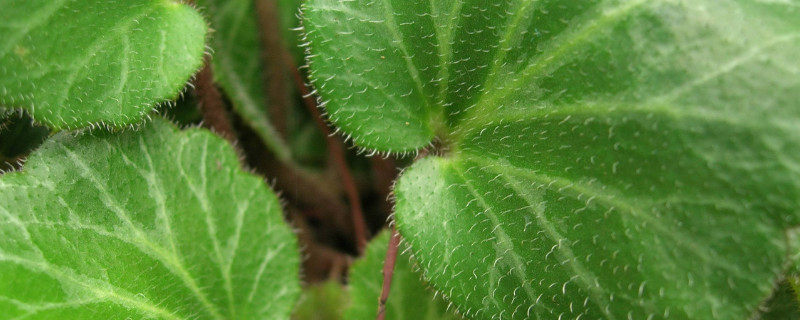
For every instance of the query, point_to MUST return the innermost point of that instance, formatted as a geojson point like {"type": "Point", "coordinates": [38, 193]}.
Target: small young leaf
{"type": "Point", "coordinates": [141, 225]}
{"type": "Point", "coordinates": [325, 301]}
{"type": "Point", "coordinates": [73, 63]}
{"type": "Point", "coordinates": [409, 298]}
{"type": "Point", "coordinates": [237, 65]}
{"type": "Point", "coordinates": [617, 159]}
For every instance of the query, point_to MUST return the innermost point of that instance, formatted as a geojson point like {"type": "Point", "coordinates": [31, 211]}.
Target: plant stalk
{"type": "Point", "coordinates": [211, 105]}
{"type": "Point", "coordinates": [388, 272]}
{"type": "Point", "coordinates": [337, 154]}
{"type": "Point", "coordinates": [275, 82]}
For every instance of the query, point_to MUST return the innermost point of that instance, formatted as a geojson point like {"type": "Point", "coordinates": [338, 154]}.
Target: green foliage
{"type": "Point", "coordinates": [409, 298]}
{"type": "Point", "coordinates": [603, 159]}
{"type": "Point", "coordinates": [325, 301]}
{"type": "Point", "coordinates": [73, 63]}
{"type": "Point", "coordinates": [238, 68]}
{"type": "Point", "coordinates": [237, 65]}
{"type": "Point", "coordinates": [584, 159]}
{"type": "Point", "coordinates": [146, 224]}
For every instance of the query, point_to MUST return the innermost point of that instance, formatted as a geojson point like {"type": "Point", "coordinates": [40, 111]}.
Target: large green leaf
{"type": "Point", "coordinates": [72, 63]}
{"type": "Point", "coordinates": [237, 65]}
{"type": "Point", "coordinates": [409, 297]}
{"type": "Point", "coordinates": [140, 225]}
{"type": "Point", "coordinates": [603, 159]}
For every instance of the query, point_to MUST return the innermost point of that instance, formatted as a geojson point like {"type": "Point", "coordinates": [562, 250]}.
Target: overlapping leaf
{"type": "Point", "coordinates": [73, 63]}
{"type": "Point", "coordinates": [149, 224]}
{"type": "Point", "coordinates": [604, 159]}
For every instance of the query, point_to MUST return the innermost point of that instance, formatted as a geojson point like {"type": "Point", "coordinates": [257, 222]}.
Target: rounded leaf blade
{"type": "Point", "coordinates": [72, 64]}
{"type": "Point", "coordinates": [157, 223]}
{"type": "Point", "coordinates": [603, 159]}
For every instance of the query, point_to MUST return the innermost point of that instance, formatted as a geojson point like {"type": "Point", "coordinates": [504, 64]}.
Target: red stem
{"type": "Point", "coordinates": [388, 272]}
{"type": "Point", "coordinates": [336, 151]}
{"type": "Point", "coordinates": [212, 107]}
{"type": "Point", "coordinates": [385, 172]}
{"type": "Point", "coordinates": [274, 75]}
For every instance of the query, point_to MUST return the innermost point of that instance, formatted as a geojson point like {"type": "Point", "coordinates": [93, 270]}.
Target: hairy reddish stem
{"type": "Point", "coordinates": [336, 151]}
{"type": "Point", "coordinates": [385, 172]}
{"type": "Point", "coordinates": [275, 82]}
{"type": "Point", "coordinates": [388, 272]}
{"type": "Point", "coordinates": [271, 54]}
{"type": "Point", "coordinates": [211, 105]}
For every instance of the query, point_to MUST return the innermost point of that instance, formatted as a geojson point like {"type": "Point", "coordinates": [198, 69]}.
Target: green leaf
{"type": "Point", "coordinates": [325, 301]}
{"type": "Point", "coordinates": [238, 68]}
{"type": "Point", "coordinates": [602, 159]}
{"type": "Point", "coordinates": [409, 297]}
{"type": "Point", "coordinates": [157, 223]}
{"type": "Point", "coordinates": [374, 65]}
{"type": "Point", "coordinates": [74, 63]}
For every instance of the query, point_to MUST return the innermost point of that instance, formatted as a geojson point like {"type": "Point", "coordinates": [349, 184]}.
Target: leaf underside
{"type": "Point", "coordinates": [74, 63]}
{"type": "Point", "coordinates": [149, 224]}
{"type": "Point", "coordinates": [409, 298]}
{"type": "Point", "coordinates": [603, 159]}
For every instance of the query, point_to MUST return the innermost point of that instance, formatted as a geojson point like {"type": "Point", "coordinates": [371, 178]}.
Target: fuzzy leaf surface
{"type": "Point", "coordinates": [409, 298]}
{"type": "Point", "coordinates": [604, 159]}
{"type": "Point", "coordinates": [149, 224]}
{"type": "Point", "coordinates": [73, 63]}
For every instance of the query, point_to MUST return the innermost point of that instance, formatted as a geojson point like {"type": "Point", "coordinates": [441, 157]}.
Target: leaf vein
{"type": "Point", "coordinates": [152, 248]}
{"type": "Point", "coordinates": [505, 242]}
